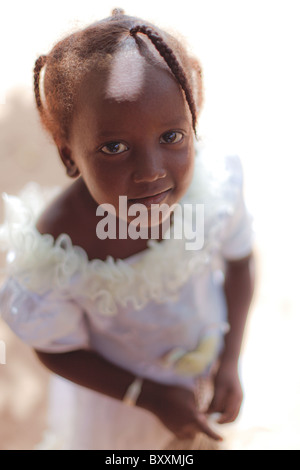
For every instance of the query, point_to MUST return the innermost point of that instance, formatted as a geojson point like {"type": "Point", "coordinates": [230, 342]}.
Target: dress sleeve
{"type": "Point", "coordinates": [237, 236]}
{"type": "Point", "coordinates": [47, 322]}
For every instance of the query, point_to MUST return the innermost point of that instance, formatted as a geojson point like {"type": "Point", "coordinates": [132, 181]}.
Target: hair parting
{"type": "Point", "coordinates": [168, 55]}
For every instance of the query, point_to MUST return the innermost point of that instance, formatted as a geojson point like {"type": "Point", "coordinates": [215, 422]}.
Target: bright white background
{"type": "Point", "coordinates": [249, 51]}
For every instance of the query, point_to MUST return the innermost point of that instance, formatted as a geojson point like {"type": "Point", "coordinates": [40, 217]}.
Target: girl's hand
{"type": "Point", "coordinates": [176, 409]}
{"type": "Point", "coordinates": [228, 394]}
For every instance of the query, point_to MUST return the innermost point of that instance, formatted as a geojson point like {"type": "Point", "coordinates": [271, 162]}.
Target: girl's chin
{"type": "Point", "coordinates": [150, 216]}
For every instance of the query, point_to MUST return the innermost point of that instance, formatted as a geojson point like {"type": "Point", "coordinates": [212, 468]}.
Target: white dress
{"type": "Point", "coordinates": [160, 314]}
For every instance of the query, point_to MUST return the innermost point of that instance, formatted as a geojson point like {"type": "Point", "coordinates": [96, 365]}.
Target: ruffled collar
{"type": "Point", "coordinates": [42, 264]}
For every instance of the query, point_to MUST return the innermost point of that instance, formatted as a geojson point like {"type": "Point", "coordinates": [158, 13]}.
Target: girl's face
{"type": "Point", "coordinates": [136, 145]}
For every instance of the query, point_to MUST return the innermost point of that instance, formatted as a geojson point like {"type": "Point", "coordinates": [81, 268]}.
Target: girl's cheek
{"type": "Point", "coordinates": [187, 172]}
{"type": "Point", "coordinates": [185, 165]}
{"type": "Point", "coordinates": [105, 186]}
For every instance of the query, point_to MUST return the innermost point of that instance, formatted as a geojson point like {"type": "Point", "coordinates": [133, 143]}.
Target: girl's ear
{"type": "Point", "coordinates": [65, 154]}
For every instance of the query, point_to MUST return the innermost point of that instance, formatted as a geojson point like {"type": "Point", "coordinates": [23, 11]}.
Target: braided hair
{"type": "Point", "coordinates": [93, 48]}
{"type": "Point", "coordinates": [171, 60]}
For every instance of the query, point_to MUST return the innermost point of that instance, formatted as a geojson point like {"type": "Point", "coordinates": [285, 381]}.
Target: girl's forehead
{"type": "Point", "coordinates": [147, 95]}
{"type": "Point", "coordinates": [129, 78]}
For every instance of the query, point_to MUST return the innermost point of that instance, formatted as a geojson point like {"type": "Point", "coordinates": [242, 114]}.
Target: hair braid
{"type": "Point", "coordinates": [39, 64]}
{"type": "Point", "coordinates": [168, 55]}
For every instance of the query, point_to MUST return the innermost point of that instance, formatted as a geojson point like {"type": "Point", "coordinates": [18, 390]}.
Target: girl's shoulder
{"type": "Point", "coordinates": [56, 216]}
{"type": "Point", "coordinates": [38, 234]}
{"type": "Point", "coordinates": [63, 213]}
{"type": "Point", "coordinates": [72, 213]}
{"type": "Point", "coordinates": [42, 228]}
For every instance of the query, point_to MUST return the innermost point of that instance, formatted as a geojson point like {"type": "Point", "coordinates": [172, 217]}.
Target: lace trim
{"type": "Point", "coordinates": [41, 263]}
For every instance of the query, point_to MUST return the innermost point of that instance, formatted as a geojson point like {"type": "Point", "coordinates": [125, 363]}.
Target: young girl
{"type": "Point", "coordinates": [133, 324]}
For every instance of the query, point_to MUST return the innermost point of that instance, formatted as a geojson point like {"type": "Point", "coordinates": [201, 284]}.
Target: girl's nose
{"type": "Point", "coordinates": [148, 168]}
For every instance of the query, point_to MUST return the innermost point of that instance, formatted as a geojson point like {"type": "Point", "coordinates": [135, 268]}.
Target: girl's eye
{"type": "Point", "coordinates": [171, 137]}
{"type": "Point", "coordinates": [113, 148]}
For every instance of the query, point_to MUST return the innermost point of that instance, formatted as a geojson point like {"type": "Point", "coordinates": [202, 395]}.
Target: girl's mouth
{"type": "Point", "coordinates": [152, 199]}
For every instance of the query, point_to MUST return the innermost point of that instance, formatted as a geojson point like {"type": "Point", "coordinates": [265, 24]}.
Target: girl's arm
{"type": "Point", "coordinates": [174, 406]}
{"type": "Point", "coordinates": [238, 286]}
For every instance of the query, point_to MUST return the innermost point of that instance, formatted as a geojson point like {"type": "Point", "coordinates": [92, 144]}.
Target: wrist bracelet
{"type": "Point", "coordinates": [133, 392]}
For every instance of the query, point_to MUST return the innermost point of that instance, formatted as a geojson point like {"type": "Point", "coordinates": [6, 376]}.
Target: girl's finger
{"type": "Point", "coordinates": [230, 412]}
{"type": "Point", "coordinates": [206, 428]}
{"type": "Point", "coordinates": [218, 403]}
